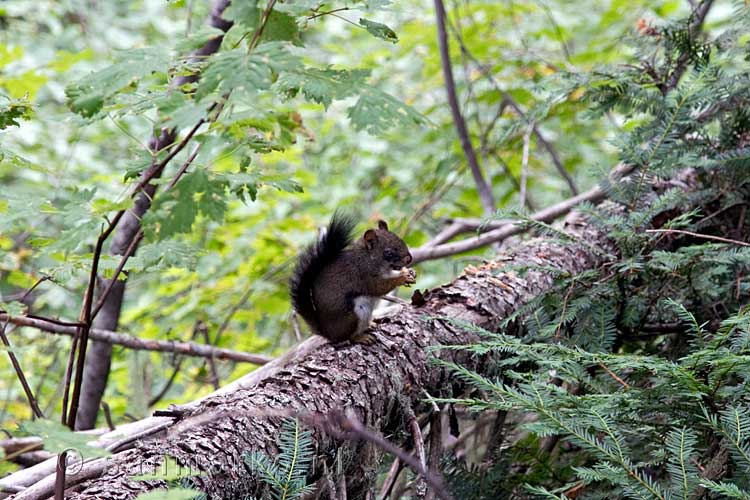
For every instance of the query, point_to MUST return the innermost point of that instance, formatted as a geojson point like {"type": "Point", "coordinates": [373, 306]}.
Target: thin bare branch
{"type": "Point", "coordinates": [525, 164]}
{"type": "Point", "coordinates": [85, 318]}
{"type": "Point", "coordinates": [507, 100]}
{"type": "Point", "coordinates": [390, 480]}
{"type": "Point", "coordinates": [701, 236]}
{"type": "Point", "coordinates": [60, 477]}
{"type": "Point", "coordinates": [548, 214]}
{"type": "Point", "coordinates": [483, 188]}
{"type": "Point", "coordinates": [35, 410]}
{"type": "Point", "coordinates": [177, 347]}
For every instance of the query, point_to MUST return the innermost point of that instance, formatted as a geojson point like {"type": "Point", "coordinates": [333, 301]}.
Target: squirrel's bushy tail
{"type": "Point", "coordinates": [314, 258]}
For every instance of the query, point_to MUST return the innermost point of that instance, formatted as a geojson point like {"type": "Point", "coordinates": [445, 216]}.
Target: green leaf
{"type": "Point", "coordinates": [102, 206]}
{"type": "Point", "coordinates": [377, 111]}
{"type": "Point", "coordinates": [16, 109]}
{"type": "Point", "coordinates": [91, 93]}
{"type": "Point", "coordinates": [178, 111]}
{"type": "Point", "coordinates": [253, 72]}
{"type": "Point", "coordinates": [163, 255]}
{"type": "Point", "coordinates": [13, 308]}
{"type": "Point", "coordinates": [322, 85]}
{"type": "Point", "coordinates": [245, 14]}
{"type": "Point", "coordinates": [58, 438]}
{"type": "Point", "coordinates": [170, 494]}
{"type": "Point", "coordinates": [281, 26]}
{"type": "Point", "coordinates": [376, 4]}
{"type": "Point", "coordinates": [175, 211]}
{"type": "Point", "coordinates": [379, 30]}
{"type": "Point", "coordinates": [283, 184]}
{"type": "Point", "coordinates": [198, 38]}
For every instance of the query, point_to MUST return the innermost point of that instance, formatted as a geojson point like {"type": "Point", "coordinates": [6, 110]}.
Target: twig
{"type": "Point", "coordinates": [168, 385]}
{"type": "Point", "coordinates": [435, 195]}
{"type": "Point", "coordinates": [138, 237]}
{"type": "Point", "coordinates": [295, 326]}
{"type": "Point", "coordinates": [321, 14]}
{"type": "Point", "coordinates": [187, 348]}
{"type": "Point", "coordinates": [263, 21]}
{"type": "Point", "coordinates": [548, 214]}
{"type": "Point", "coordinates": [390, 480]}
{"type": "Point", "coordinates": [546, 145]}
{"type": "Point", "coordinates": [558, 31]}
{"type": "Point", "coordinates": [123, 260]}
{"type": "Point", "coordinates": [484, 137]}
{"type": "Point", "coordinates": [68, 374]}
{"type": "Point", "coordinates": [699, 235]}
{"type": "Point", "coordinates": [416, 436]}
{"type": "Point", "coordinates": [613, 375]}
{"type": "Point", "coordinates": [85, 318]}
{"type": "Point", "coordinates": [512, 178]}
{"type": "Point", "coordinates": [348, 427]}
{"type": "Point", "coordinates": [525, 164]}
{"type": "Point", "coordinates": [436, 445]}
{"type": "Point", "coordinates": [451, 230]}
{"type": "Point", "coordinates": [201, 327]}
{"type": "Point", "coordinates": [484, 190]}
{"type": "Point", "coordinates": [35, 410]}
{"type": "Point", "coordinates": [60, 476]}
{"type": "Point", "coordinates": [555, 158]}
{"type": "Point", "coordinates": [244, 298]}
{"type": "Point", "coordinates": [108, 416]}
{"type": "Point", "coordinates": [38, 282]}
{"type": "Point", "coordinates": [509, 101]}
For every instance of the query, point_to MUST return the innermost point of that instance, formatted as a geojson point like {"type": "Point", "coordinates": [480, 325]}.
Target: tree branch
{"type": "Point", "coordinates": [35, 410]}
{"type": "Point", "coordinates": [176, 347]}
{"type": "Point", "coordinates": [507, 100]}
{"type": "Point", "coordinates": [484, 190]}
{"type": "Point", "coordinates": [435, 251]}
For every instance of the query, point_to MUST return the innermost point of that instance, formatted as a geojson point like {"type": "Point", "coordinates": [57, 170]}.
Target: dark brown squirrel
{"type": "Point", "coordinates": [337, 282]}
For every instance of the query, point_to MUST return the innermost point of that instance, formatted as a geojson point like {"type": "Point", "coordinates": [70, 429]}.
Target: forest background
{"type": "Point", "coordinates": [326, 105]}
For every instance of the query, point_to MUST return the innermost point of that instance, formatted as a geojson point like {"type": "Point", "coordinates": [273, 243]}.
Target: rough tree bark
{"type": "Point", "coordinates": [96, 367]}
{"type": "Point", "coordinates": [376, 382]}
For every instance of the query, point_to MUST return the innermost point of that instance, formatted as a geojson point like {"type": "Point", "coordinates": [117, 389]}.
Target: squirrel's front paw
{"type": "Point", "coordinates": [408, 275]}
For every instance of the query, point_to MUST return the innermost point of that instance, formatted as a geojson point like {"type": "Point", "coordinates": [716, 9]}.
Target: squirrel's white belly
{"type": "Point", "coordinates": [363, 307]}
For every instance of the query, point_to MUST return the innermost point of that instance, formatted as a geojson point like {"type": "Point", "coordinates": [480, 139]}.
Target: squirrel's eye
{"type": "Point", "coordinates": [388, 254]}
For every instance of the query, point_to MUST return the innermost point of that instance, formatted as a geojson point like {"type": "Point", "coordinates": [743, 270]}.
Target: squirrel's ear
{"type": "Point", "coordinates": [382, 225]}
{"type": "Point", "coordinates": [370, 238]}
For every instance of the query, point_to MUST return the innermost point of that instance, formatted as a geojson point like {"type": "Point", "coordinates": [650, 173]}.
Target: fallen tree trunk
{"type": "Point", "coordinates": [379, 383]}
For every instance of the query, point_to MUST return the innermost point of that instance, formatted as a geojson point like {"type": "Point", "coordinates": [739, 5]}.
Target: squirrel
{"type": "Point", "coordinates": [337, 281]}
